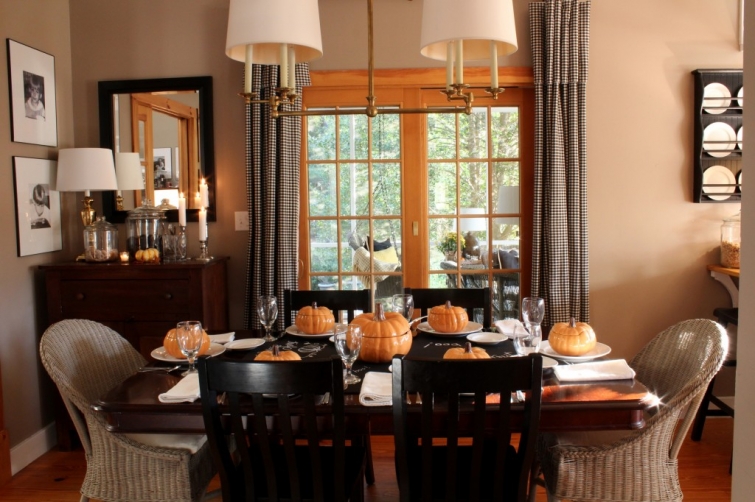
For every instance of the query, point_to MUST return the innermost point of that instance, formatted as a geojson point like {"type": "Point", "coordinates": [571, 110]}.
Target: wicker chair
{"type": "Point", "coordinates": [86, 359]}
{"type": "Point", "coordinates": [640, 465]}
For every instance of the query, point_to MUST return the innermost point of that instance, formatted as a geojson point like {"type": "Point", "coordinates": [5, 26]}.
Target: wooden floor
{"type": "Point", "coordinates": [703, 469]}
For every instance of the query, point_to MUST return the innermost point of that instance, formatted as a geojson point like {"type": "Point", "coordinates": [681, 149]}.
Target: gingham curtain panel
{"type": "Point", "coordinates": [560, 32]}
{"type": "Point", "coordinates": [272, 167]}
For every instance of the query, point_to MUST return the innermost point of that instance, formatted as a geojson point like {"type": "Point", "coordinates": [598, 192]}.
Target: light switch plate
{"type": "Point", "coordinates": [242, 221]}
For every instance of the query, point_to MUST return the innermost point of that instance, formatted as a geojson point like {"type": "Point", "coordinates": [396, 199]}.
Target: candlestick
{"type": "Point", "coordinates": [181, 244]}
{"type": "Point", "coordinates": [181, 210]}
{"type": "Point", "coordinates": [204, 196]}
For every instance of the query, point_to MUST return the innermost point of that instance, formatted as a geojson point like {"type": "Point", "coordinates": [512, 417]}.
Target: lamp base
{"type": "Point", "coordinates": [88, 214]}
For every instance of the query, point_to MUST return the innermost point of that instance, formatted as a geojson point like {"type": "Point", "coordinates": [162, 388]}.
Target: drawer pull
{"type": "Point", "coordinates": [168, 296]}
{"type": "Point", "coordinates": [80, 296]}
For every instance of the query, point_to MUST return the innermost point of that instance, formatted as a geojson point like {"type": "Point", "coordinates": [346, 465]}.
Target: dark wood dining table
{"type": "Point", "coordinates": [133, 405]}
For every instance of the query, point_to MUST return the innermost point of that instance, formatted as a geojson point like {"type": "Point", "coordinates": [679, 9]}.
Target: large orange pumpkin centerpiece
{"type": "Point", "coordinates": [315, 320]}
{"type": "Point", "coordinates": [384, 334]}
{"type": "Point", "coordinates": [447, 318]}
{"type": "Point", "coordinates": [171, 344]}
{"type": "Point", "coordinates": [572, 338]}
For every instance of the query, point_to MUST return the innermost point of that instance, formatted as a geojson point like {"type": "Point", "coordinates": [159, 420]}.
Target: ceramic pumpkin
{"type": "Point", "coordinates": [171, 344]}
{"type": "Point", "coordinates": [447, 318]}
{"type": "Point", "coordinates": [572, 338]}
{"type": "Point", "coordinates": [277, 355]}
{"type": "Point", "coordinates": [384, 334]}
{"type": "Point", "coordinates": [315, 320]}
{"type": "Point", "coordinates": [467, 352]}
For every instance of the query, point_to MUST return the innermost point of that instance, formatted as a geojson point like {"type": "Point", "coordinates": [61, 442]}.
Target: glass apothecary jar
{"type": "Point", "coordinates": [730, 240]}
{"type": "Point", "coordinates": [100, 241]}
{"type": "Point", "coordinates": [144, 238]}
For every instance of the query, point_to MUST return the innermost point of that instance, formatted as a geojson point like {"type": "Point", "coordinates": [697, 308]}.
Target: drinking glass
{"type": "Point", "coordinates": [348, 344]}
{"type": "Point", "coordinates": [404, 305]}
{"type": "Point", "coordinates": [527, 340]}
{"type": "Point", "coordinates": [267, 308]}
{"type": "Point", "coordinates": [533, 310]}
{"type": "Point", "coordinates": [189, 337]}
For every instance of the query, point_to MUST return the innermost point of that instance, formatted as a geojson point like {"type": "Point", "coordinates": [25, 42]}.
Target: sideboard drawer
{"type": "Point", "coordinates": [121, 299]}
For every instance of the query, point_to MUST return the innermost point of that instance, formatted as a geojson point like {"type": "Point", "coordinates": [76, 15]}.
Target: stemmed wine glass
{"type": "Point", "coordinates": [348, 344]}
{"type": "Point", "coordinates": [533, 311]}
{"type": "Point", "coordinates": [189, 337]}
{"type": "Point", "coordinates": [267, 308]}
{"type": "Point", "coordinates": [404, 305]}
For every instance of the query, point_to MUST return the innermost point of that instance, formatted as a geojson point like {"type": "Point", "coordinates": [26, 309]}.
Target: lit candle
{"type": "Point", "coordinates": [124, 257]}
{"type": "Point", "coordinates": [459, 61]}
{"type": "Point", "coordinates": [449, 65]}
{"type": "Point", "coordinates": [204, 196]}
{"type": "Point", "coordinates": [493, 65]}
{"type": "Point", "coordinates": [248, 69]}
{"type": "Point", "coordinates": [202, 224]}
{"type": "Point", "coordinates": [181, 210]}
{"type": "Point", "coordinates": [283, 77]}
{"type": "Point", "coordinates": [291, 68]}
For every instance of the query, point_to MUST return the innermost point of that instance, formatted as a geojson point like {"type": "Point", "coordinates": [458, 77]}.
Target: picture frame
{"type": "Point", "coordinates": [38, 227]}
{"type": "Point", "coordinates": [162, 159]}
{"type": "Point", "coordinates": [31, 75]}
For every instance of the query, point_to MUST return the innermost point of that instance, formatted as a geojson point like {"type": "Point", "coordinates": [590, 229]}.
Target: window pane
{"type": "Point", "coordinates": [473, 134]}
{"type": "Point", "coordinates": [441, 136]}
{"type": "Point", "coordinates": [505, 132]}
{"type": "Point", "coordinates": [442, 188]}
{"type": "Point", "coordinates": [352, 133]}
{"type": "Point", "coordinates": [386, 137]}
{"type": "Point", "coordinates": [505, 296]}
{"type": "Point", "coordinates": [506, 187]}
{"type": "Point", "coordinates": [321, 138]}
{"type": "Point", "coordinates": [354, 189]}
{"type": "Point", "coordinates": [443, 243]}
{"type": "Point", "coordinates": [324, 282]}
{"type": "Point", "coordinates": [473, 185]}
{"type": "Point", "coordinates": [386, 189]}
{"type": "Point", "coordinates": [323, 246]}
{"type": "Point", "coordinates": [322, 189]}
{"type": "Point", "coordinates": [353, 233]}
{"type": "Point", "coordinates": [506, 236]}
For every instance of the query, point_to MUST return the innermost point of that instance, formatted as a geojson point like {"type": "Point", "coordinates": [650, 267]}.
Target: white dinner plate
{"type": "Point", "coordinates": [160, 354]}
{"type": "Point", "coordinates": [549, 362]}
{"type": "Point", "coordinates": [741, 96]}
{"type": "Point", "coordinates": [739, 137]}
{"type": "Point", "coordinates": [718, 175]}
{"type": "Point", "coordinates": [245, 344]}
{"type": "Point", "coordinates": [739, 179]}
{"type": "Point", "coordinates": [719, 139]}
{"type": "Point", "coordinates": [293, 330]}
{"type": "Point", "coordinates": [600, 350]}
{"type": "Point", "coordinates": [471, 327]}
{"type": "Point", "coordinates": [486, 338]}
{"type": "Point", "coordinates": [715, 97]}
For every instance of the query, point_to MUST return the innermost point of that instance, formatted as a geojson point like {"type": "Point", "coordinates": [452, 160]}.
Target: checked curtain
{"type": "Point", "coordinates": [272, 177]}
{"type": "Point", "coordinates": [559, 31]}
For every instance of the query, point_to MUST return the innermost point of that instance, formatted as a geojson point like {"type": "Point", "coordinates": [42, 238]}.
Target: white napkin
{"type": "Point", "coordinates": [506, 326]}
{"type": "Point", "coordinates": [615, 369]}
{"type": "Point", "coordinates": [376, 389]}
{"type": "Point", "coordinates": [223, 337]}
{"type": "Point", "coordinates": [187, 390]}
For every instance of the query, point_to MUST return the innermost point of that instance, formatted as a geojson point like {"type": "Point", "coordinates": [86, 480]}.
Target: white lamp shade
{"type": "Point", "coordinates": [508, 200]}
{"type": "Point", "coordinates": [265, 24]}
{"type": "Point", "coordinates": [81, 169]}
{"type": "Point", "coordinates": [476, 22]}
{"type": "Point", "coordinates": [472, 224]}
{"type": "Point", "coordinates": [128, 171]}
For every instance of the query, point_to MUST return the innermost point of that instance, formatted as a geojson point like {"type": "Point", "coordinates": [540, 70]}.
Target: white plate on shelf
{"type": "Point", "coordinates": [486, 338]}
{"type": "Point", "coordinates": [293, 330]}
{"type": "Point", "coordinates": [161, 355]}
{"type": "Point", "coordinates": [718, 175]}
{"type": "Point", "coordinates": [716, 95]}
{"type": "Point", "coordinates": [471, 327]}
{"type": "Point", "coordinates": [600, 350]}
{"type": "Point", "coordinates": [741, 96]}
{"type": "Point", "coordinates": [245, 344]}
{"type": "Point", "coordinates": [739, 179]}
{"type": "Point", "coordinates": [739, 137]}
{"type": "Point", "coordinates": [719, 139]}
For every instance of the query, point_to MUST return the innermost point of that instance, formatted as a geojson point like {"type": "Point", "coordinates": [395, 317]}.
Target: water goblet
{"type": "Point", "coordinates": [404, 305]}
{"type": "Point", "coordinates": [348, 344]}
{"type": "Point", "coordinates": [527, 340]}
{"type": "Point", "coordinates": [189, 337]}
{"type": "Point", "coordinates": [267, 308]}
{"type": "Point", "coordinates": [533, 310]}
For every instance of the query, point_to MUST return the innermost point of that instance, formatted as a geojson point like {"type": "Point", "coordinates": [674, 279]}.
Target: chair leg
{"type": "Point", "coordinates": [369, 472]}
{"type": "Point", "coordinates": [702, 412]}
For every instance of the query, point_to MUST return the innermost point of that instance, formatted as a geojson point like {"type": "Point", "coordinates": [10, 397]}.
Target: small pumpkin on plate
{"type": "Point", "coordinates": [315, 320]}
{"type": "Point", "coordinates": [467, 352]}
{"type": "Point", "coordinates": [447, 318]}
{"type": "Point", "coordinates": [171, 344]}
{"type": "Point", "coordinates": [384, 334]}
{"type": "Point", "coordinates": [277, 355]}
{"type": "Point", "coordinates": [572, 338]}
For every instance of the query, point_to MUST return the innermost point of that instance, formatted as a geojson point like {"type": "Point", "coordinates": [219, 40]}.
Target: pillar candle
{"type": "Point", "coordinates": [493, 65]}
{"type": "Point", "coordinates": [204, 196]}
{"type": "Point", "coordinates": [202, 224]}
{"type": "Point", "coordinates": [181, 210]}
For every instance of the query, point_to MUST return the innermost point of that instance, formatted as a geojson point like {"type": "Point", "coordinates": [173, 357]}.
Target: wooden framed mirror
{"type": "Point", "coordinates": [168, 121]}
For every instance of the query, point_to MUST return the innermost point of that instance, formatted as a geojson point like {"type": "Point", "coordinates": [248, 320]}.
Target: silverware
{"type": "Point", "coordinates": [148, 369]}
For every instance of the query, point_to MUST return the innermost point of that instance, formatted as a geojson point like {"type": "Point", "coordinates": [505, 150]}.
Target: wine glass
{"type": "Point", "coordinates": [348, 344]}
{"type": "Point", "coordinates": [527, 341]}
{"type": "Point", "coordinates": [404, 305]}
{"type": "Point", "coordinates": [533, 310]}
{"type": "Point", "coordinates": [189, 337]}
{"type": "Point", "coordinates": [267, 308]}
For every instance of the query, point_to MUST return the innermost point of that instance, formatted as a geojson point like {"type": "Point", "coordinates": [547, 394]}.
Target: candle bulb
{"type": "Point", "coordinates": [459, 62]}
{"type": "Point", "coordinates": [248, 69]}
{"type": "Point", "coordinates": [291, 68]}
{"type": "Point", "coordinates": [493, 65]}
{"type": "Point", "coordinates": [204, 196]}
{"type": "Point", "coordinates": [449, 65]}
{"type": "Point", "coordinates": [283, 77]}
{"type": "Point", "coordinates": [181, 210]}
{"type": "Point", "coordinates": [202, 224]}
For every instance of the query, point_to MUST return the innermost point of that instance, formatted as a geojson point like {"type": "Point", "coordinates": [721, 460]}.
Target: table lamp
{"type": "Point", "coordinates": [85, 169]}
{"type": "Point", "coordinates": [128, 171]}
{"type": "Point", "coordinates": [469, 225]}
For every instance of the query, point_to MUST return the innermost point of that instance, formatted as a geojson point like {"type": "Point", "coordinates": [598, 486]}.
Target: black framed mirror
{"type": "Point", "coordinates": [169, 121]}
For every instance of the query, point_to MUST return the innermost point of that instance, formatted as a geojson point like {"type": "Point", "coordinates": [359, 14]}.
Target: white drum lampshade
{"type": "Point", "coordinates": [128, 171]}
{"type": "Point", "coordinates": [86, 169]}
{"type": "Point", "coordinates": [472, 224]}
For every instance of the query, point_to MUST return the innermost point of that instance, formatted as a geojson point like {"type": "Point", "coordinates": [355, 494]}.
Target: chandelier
{"type": "Point", "coordinates": [284, 32]}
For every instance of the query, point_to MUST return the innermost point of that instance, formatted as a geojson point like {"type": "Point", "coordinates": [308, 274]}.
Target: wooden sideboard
{"type": "Point", "coordinates": [139, 301]}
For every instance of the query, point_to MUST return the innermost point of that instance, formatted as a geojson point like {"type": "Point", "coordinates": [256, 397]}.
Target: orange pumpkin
{"type": "Point", "coordinates": [447, 318]}
{"type": "Point", "coordinates": [572, 338]}
{"type": "Point", "coordinates": [384, 334]}
{"type": "Point", "coordinates": [468, 352]}
{"type": "Point", "coordinates": [315, 320]}
{"type": "Point", "coordinates": [277, 355]}
{"type": "Point", "coordinates": [171, 344]}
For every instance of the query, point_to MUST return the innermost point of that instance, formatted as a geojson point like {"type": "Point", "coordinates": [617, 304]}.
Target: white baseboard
{"type": "Point", "coordinates": [30, 449]}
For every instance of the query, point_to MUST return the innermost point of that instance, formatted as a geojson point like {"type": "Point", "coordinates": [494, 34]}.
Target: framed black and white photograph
{"type": "Point", "coordinates": [31, 75]}
{"type": "Point", "coordinates": [163, 167]}
{"type": "Point", "coordinates": [37, 206]}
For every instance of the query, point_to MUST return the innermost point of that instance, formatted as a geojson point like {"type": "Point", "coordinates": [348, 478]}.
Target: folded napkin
{"type": "Point", "coordinates": [616, 369]}
{"type": "Point", "coordinates": [507, 326]}
{"type": "Point", "coordinates": [376, 389]}
{"type": "Point", "coordinates": [223, 337]}
{"type": "Point", "coordinates": [187, 390]}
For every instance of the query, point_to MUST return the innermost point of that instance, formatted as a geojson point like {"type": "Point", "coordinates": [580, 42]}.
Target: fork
{"type": "Point", "coordinates": [147, 369]}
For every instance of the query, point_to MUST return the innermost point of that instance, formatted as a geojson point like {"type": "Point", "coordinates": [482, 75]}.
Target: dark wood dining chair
{"type": "Point", "coordinates": [269, 445]}
{"type": "Point", "coordinates": [336, 300]}
{"type": "Point", "coordinates": [469, 299]}
{"type": "Point", "coordinates": [451, 446]}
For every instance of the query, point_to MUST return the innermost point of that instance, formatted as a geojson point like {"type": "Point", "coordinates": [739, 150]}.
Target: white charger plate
{"type": "Point", "coordinates": [486, 338]}
{"type": "Point", "coordinates": [718, 175]}
{"type": "Point", "coordinates": [741, 96]}
{"type": "Point", "coordinates": [161, 355]}
{"type": "Point", "coordinates": [471, 327]}
{"type": "Point", "coordinates": [245, 344]}
{"type": "Point", "coordinates": [721, 139]}
{"type": "Point", "coordinates": [716, 95]}
{"type": "Point", "coordinates": [293, 330]}
{"type": "Point", "coordinates": [600, 350]}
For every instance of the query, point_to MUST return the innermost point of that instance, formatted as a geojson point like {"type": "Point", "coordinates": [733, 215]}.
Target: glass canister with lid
{"type": "Point", "coordinates": [730, 240]}
{"type": "Point", "coordinates": [144, 238]}
{"type": "Point", "coordinates": [100, 241]}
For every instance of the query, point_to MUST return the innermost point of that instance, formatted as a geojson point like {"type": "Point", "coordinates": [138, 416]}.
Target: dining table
{"type": "Point", "coordinates": [133, 405]}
